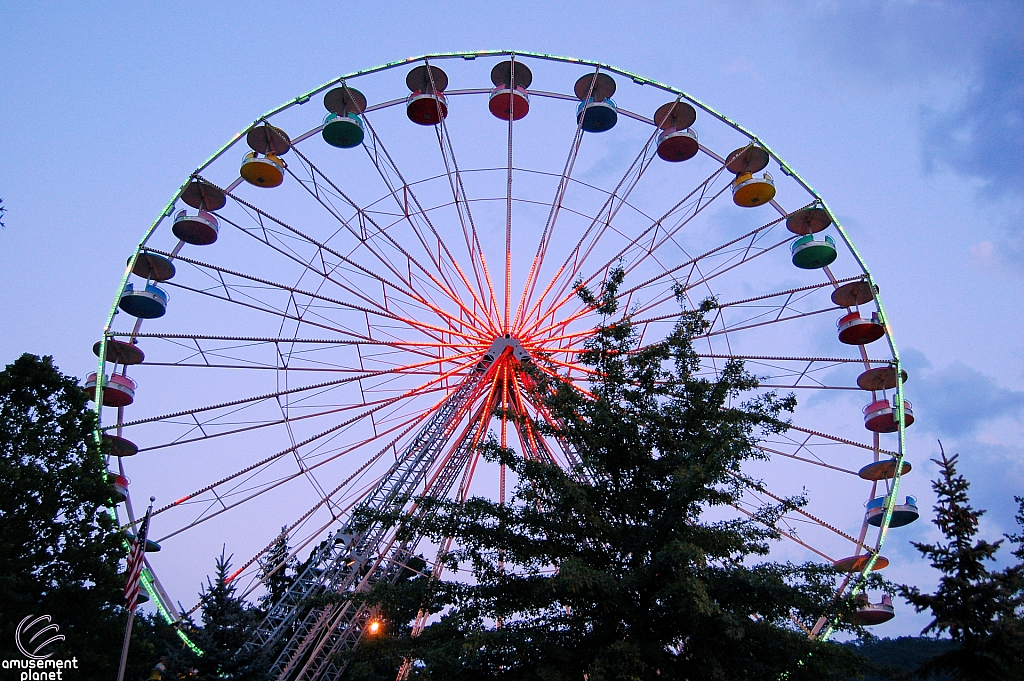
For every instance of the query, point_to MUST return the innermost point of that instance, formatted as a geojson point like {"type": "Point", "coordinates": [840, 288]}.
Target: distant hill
{"type": "Point", "coordinates": [894, 657]}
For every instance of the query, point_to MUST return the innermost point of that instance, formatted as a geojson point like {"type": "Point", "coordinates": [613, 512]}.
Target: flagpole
{"type": "Point", "coordinates": [124, 646]}
{"type": "Point", "coordinates": [140, 538]}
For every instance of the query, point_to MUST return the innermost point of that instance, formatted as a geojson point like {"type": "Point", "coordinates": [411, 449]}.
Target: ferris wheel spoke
{"type": "Point", "coordinates": [508, 209]}
{"type": "Point", "coordinates": [667, 274]}
{"type": "Point", "coordinates": [555, 208]}
{"type": "Point", "coordinates": [734, 329]}
{"type": "Point", "coordinates": [792, 296]}
{"type": "Point", "coordinates": [385, 165]}
{"type": "Point", "coordinates": [809, 288]}
{"type": "Point", "coordinates": [574, 367]}
{"type": "Point", "coordinates": [430, 331]}
{"type": "Point", "coordinates": [330, 343]}
{"type": "Point", "coordinates": [566, 379]}
{"type": "Point", "coordinates": [311, 440]}
{"type": "Point", "coordinates": [759, 489]}
{"type": "Point", "coordinates": [364, 242]}
{"type": "Point", "coordinates": [873, 448]}
{"type": "Point", "coordinates": [462, 208]}
{"type": "Point", "coordinates": [691, 209]}
{"type": "Point", "coordinates": [530, 440]}
{"type": "Point", "coordinates": [791, 536]}
{"type": "Point", "coordinates": [283, 314]}
{"type": "Point", "coordinates": [405, 428]}
{"type": "Point", "coordinates": [571, 458]}
{"type": "Point", "coordinates": [601, 222]}
{"type": "Point", "coordinates": [785, 358]}
{"type": "Point", "coordinates": [293, 369]}
{"type": "Point", "coordinates": [814, 462]}
{"type": "Point", "coordinates": [217, 421]}
{"type": "Point", "coordinates": [408, 290]}
{"type": "Point", "coordinates": [377, 311]}
{"type": "Point", "coordinates": [243, 401]}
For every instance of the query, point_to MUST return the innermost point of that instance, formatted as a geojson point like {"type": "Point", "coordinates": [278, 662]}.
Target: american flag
{"type": "Point", "coordinates": [135, 563]}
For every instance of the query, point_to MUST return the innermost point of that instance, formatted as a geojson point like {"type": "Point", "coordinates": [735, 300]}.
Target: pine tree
{"type": "Point", "coordinates": [611, 570]}
{"type": "Point", "coordinates": [277, 571]}
{"type": "Point", "coordinates": [228, 623]}
{"type": "Point", "coordinates": [981, 609]}
{"type": "Point", "coordinates": [1018, 539]}
{"type": "Point", "coordinates": [60, 550]}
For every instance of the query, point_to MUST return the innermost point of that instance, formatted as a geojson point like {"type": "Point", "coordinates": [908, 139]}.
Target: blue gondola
{"type": "Point", "coordinates": [902, 514]}
{"type": "Point", "coordinates": [597, 116]}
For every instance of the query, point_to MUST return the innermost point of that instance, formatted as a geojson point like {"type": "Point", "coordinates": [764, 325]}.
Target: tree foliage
{"type": "Point", "coordinates": [897, 658]}
{"type": "Point", "coordinates": [624, 567]}
{"type": "Point", "coordinates": [980, 608]}
{"type": "Point", "coordinates": [59, 547]}
{"type": "Point", "coordinates": [228, 623]}
{"type": "Point", "coordinates": [277, 571]}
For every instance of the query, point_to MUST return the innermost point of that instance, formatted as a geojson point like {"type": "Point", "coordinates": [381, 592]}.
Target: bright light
{"type": "Point", "coordinates": [373, 627]}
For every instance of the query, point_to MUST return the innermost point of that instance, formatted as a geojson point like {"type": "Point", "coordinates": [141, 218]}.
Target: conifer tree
{"type": "Point", "coordinates": [613, 570]}
{"type": "Point", "coordinates": [1018, 539]}
{"type": "Point", "coordinates": [277, 571]}
{"type": "Point", "coordinates": [228, 623]}
{"type": "Point", "coordinates": [981, 609]}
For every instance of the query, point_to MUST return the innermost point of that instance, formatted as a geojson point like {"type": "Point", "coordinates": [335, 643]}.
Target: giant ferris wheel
{"type": "Point", "coordinates": [338, 305]}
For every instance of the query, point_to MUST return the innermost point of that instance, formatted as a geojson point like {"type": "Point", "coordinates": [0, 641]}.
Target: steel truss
{"type": "Point", "coordinates": [366, 551]}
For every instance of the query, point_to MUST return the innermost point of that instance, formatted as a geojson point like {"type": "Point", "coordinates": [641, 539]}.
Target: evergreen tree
{"type": "Point", "coordinates": [612, 570]}
{"type": "Point", "coordinates": [59, 546]}
{"type": "Point", "coordinates": [983, 610]}
{"type": "Point", "coordinates": [1018, 539]}
{"type": "Point", "coordinates": [277, 571]}
{"type": "Point", "coordinates": [228, 624]}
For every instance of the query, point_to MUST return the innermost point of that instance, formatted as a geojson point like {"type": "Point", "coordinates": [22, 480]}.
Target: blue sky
{"type": "Point", "coordinates": [908, 117]}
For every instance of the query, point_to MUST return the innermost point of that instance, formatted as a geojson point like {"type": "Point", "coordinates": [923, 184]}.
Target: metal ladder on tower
{"type": "Point", "coordinates": [344, 632]}
{"type": "Point", "coordinates": [343, 561]}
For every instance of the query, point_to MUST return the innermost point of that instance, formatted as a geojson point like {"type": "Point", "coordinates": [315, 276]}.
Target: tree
{"type": "Point", "coordinates": [1018, 539]}
{"type": "Point", "coordinates": [614, 570]}
{"type": "Point", "coordinates": [897, 658]}
{"type": "Point", "coordinates": [979, 608]}
{"type": "Point", "coordinates": [228, 624]}
{"type": "Point", "coordinates": [277, 571]}
{"type": "Point", "coordinates": [59, 546]}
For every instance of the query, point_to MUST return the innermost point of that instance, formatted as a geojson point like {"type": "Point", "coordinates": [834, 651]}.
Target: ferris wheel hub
{"type": "Point", "coordinates": [501, 345]}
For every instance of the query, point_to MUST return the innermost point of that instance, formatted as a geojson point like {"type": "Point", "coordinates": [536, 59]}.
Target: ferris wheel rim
{"type": "Point", "coordinates": [142, 246]}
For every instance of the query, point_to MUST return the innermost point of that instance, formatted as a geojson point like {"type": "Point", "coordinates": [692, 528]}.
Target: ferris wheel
{"type": "Point", "coordinates": [358, 288]}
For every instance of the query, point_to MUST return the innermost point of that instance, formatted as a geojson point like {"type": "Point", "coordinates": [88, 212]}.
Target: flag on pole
{"type": "Point", "coordinates": [135, 564]}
